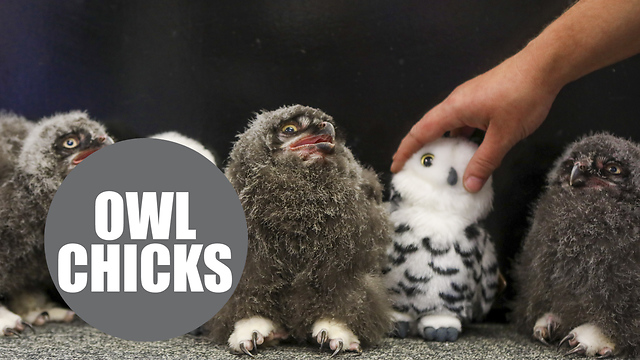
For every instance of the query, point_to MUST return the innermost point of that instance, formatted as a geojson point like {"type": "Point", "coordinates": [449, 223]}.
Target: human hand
{"type": "Point", "coordinates": [509, 102]}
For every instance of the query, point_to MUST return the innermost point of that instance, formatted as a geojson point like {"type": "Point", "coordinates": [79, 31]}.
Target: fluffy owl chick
{"type": "Point", "coordinates": [317, 235]}
{"type": "Point", "coordinates": [578, 274]}
{"type": "Point", "coordinates": [442, 269]}
{"type": "Point", "coordinates": [13, 131]}
{"type": "Point", "coordinates": [192, 144]}
{"type": "Point", "coordinates": [52, 148]}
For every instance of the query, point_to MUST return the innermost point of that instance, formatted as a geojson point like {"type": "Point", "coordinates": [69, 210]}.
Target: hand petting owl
{"type": "Point", "coordinates": [36, 158]}
{"type": "Point", "coordinates": [578, 275]}
{"type": "Point", "coordinates": [317, 235]}
{"type": "Point", "coordinates": [442, 269]}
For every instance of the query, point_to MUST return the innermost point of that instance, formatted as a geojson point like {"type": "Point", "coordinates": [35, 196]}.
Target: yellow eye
{"type": "Point", "coordinates": [427, 159]}
{"type": "Point", "coordinates": [614, 169]}
{"type": "Point", "coordinates": [71, 142]}
{"type": "Point", "coordinates": [289, 129]}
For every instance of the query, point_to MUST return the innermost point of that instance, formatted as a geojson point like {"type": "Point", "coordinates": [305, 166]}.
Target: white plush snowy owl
{"type": "Point", "coordinates": [442, 268]}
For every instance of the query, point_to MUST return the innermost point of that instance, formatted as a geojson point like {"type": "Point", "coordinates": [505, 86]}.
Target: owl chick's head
{"type": "Point", "coordinates": [56, 145]}
{"type": "Point", "coordinates": [598, 162]}
{"type": "Point", "coordinates": [432, 178]}
{"type": "Point", "coordinates": [291, 134]}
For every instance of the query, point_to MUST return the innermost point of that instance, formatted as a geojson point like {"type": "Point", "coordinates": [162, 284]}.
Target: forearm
{"type": "Point", "coordinates": [590, 35]}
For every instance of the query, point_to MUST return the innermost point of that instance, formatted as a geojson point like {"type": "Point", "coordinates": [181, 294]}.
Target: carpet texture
{"type": "Point", "coordinates": [81, 341]}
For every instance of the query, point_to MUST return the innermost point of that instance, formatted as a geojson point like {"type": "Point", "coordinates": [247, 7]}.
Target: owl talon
{"type": "Point", "coordinates": [358, 350]}
{"type": "Point", "coordinates": [28, 325]}
{"type": "Point", "coordinates": [540, 338]}
{"type": "Point", "coordinates": [607, 352]}
{"type": "Point", "coordinates": [544, 328]}
{"type": "Point", "coordinates": [244, 350]}
{"type": "Point", "coordinates": [10, 332]}
{"type": "Point", "coordinates": [254, 339]}
{"type": "Point", "coordinates": [338, 348]}
{"type": "Point", "coordinates": [323, 337]}
{"type": "Point", "coordinates": [569, 337]}
{"type": "Point", "coordinates": [579, 349]}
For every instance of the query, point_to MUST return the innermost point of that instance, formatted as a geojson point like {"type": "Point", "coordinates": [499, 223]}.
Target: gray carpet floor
{"type": "Point", "coordinates": [78, 340]}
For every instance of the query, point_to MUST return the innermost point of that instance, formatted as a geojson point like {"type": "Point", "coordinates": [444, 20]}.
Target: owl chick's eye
{"type": "Point", "coordinates": [613, 169]}
{"type": "Point", "coordinates": [427, 159]}
{"type": "Point", "coordinates": [289, 129]}
{"type": "Point", "coordinates": [71, 142]}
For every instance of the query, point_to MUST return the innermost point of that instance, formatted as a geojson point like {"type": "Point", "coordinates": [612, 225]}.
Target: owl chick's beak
{"type": "Point", "coordinates": [96, 144]}
{"type": "Point", "coordinates": [579, 167]}
{"type": "Point", "coordinates": [322, 141]}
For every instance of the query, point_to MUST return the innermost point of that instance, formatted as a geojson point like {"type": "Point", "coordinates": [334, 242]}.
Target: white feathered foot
{"type": "Point", "coordinates": [36, 308]}
{"type": "Point", "coordinates": [588, 339]}
{"type": "Point", "coordinates": [251, 332]}
{"type": "Point", "coordinates": [337, 334]}
{"type": "Point", "coordinates": [10, 323]}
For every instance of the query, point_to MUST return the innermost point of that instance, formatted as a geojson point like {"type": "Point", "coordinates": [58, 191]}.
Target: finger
{"type": "Point", "coordinates": [465, 132]}
{"type": "Point", "coordinates": [485, 160]}
{"type": "Point", "coordinates": [431, 127]}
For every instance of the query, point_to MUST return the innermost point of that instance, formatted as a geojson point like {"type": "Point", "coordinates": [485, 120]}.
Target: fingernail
{"type": "Point", "coordinates": [473, 184]}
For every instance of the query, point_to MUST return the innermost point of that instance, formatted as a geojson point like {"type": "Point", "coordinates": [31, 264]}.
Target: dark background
{"type": "Point", "coordinates": [204, 67]}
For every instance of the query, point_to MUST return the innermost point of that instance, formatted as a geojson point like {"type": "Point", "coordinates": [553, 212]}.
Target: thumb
{"type": "Point", "coordinates": [485, 160]}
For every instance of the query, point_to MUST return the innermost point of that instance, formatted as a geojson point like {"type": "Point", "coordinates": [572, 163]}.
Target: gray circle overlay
{"type": "Point", "coordinates": [147, 165]}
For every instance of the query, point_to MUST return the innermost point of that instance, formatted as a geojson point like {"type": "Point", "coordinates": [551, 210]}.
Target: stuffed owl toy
{"type": "Point", "coordinates": [317, 231]}
{"type": "Point", "coordinates": [192, 144]}
{"type": "Point", "coordinates": [37, 159]}
{"type": "Point", "coordinates": [442, 269]}
{"type": "Point", "coordinates": [578, 275]}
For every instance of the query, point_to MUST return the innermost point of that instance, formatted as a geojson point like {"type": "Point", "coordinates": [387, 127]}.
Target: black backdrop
{"type": "Point", "coordinates": [204, 67]}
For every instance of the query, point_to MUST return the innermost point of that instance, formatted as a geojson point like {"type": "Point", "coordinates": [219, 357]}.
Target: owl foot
{"type": "Point", "coordinates": [36, 308]}
{"type": "Point", "coordinates": [337, 334]}
{"type": "Point", "coordinates": [544, 328]}
{"type": "Point", "coordinates": [588, 340]}
{"type": "Point", "coordinates": [249, 333]}
{"type": "Point", "coordinates": [440, 328]}
{"type": "Point", "coordinates": [11, 324]}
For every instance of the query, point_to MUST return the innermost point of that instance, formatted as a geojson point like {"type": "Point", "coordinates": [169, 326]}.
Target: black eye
{"type": "Point", "coordinates": [427, 159]}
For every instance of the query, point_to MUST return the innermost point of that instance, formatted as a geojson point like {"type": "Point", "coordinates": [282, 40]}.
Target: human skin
{"type": "Point", "coordinates": [512, 100]}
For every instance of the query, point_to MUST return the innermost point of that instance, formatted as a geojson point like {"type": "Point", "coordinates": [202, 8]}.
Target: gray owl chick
{"type": "Point", "coordinates": [317, 235]}
{"type": "Point", "coordinates": [578, 274]}
{"type": "Point", "coordinates": [13, 131]}
{"type": "Point", "coordinates": [52, 148]}
{"type": "Point", "coordinates": [442, 269]}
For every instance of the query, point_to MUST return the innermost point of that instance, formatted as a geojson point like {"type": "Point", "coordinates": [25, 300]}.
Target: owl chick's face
{"type": "Point", "coordinates": [309, 138]}
{"type": "Point", "coordinates": [597, 162]}
{"type": "Point", "coordinates": [56, 145]}
{"type": "Point", "coordinates": [432, 177]}
{"type": "Point", "coordinates": [73, 147]}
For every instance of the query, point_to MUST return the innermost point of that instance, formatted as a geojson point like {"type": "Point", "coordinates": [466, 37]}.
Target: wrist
{"type": "Point", "coordinates": [543, 67]}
